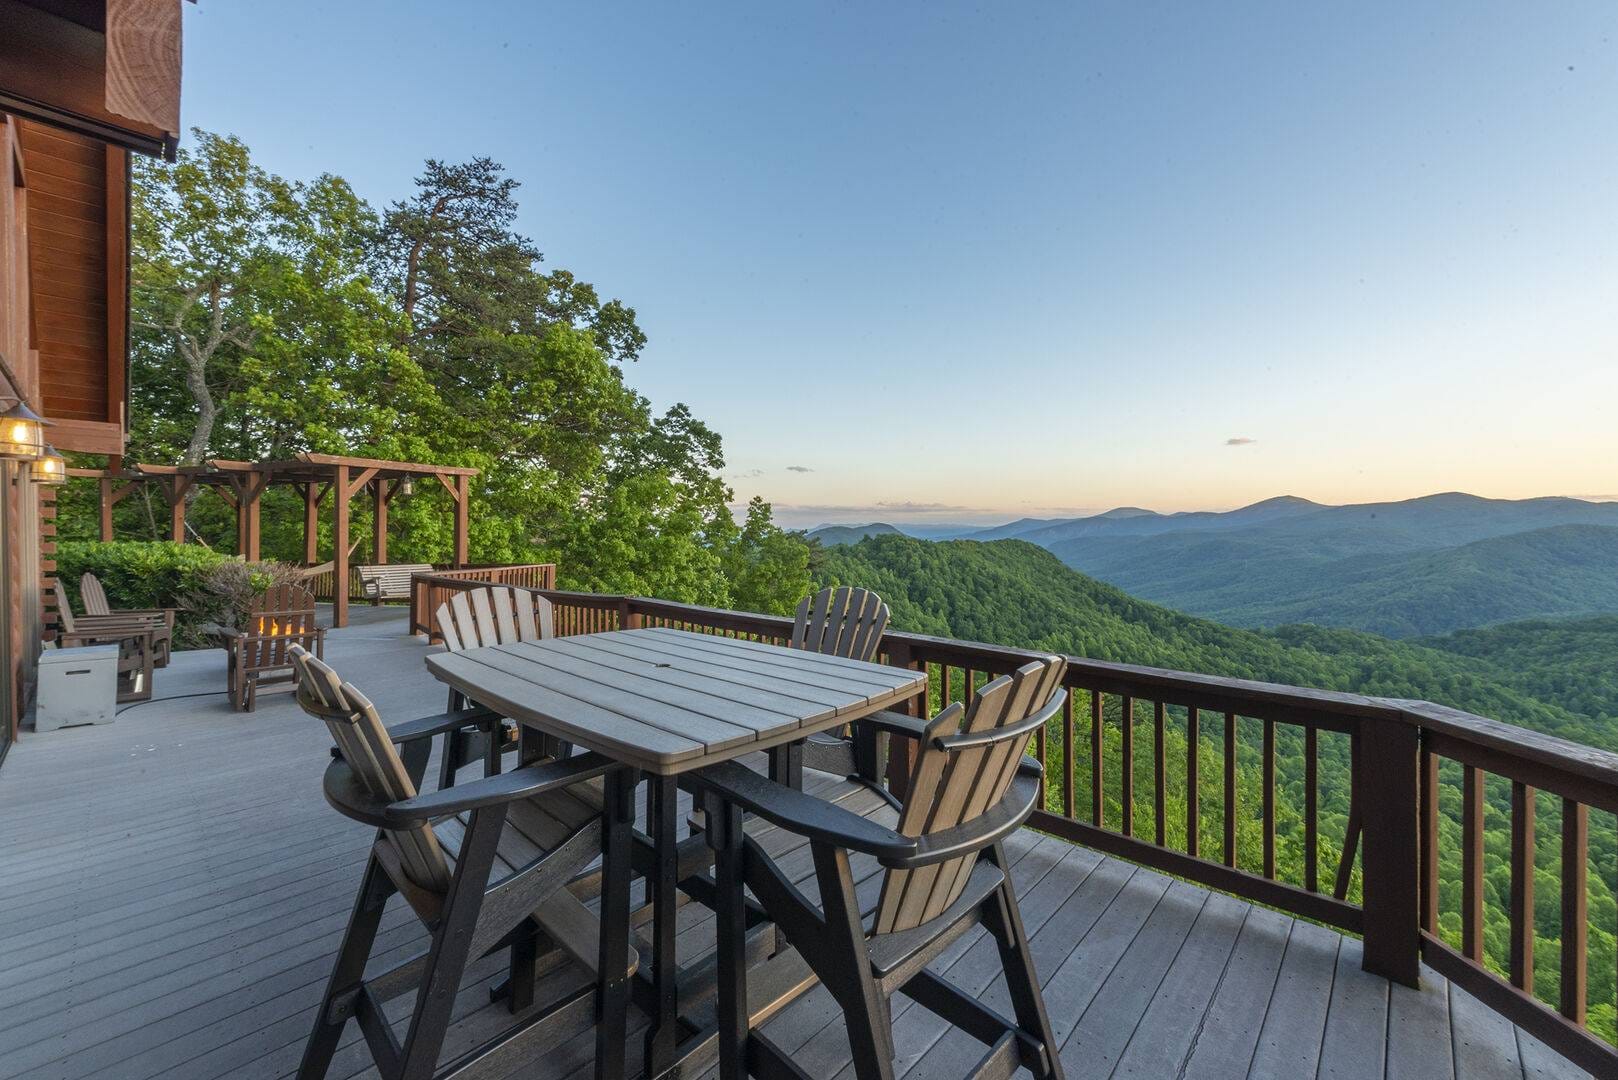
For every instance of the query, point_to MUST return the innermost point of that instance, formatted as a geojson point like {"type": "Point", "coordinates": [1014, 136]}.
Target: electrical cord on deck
{"type": "Point", "coordinates": [174, 697]}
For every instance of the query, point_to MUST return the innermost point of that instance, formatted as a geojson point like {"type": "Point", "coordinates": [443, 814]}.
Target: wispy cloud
{"type": "Point", "coordinates": [1240, 440]}
{"type": "Point", "coordinates": [749, 474]}
{"type": "Point", "coordinates": [799, 468]}
{"type": "Point", "coordinates": [881, 508]}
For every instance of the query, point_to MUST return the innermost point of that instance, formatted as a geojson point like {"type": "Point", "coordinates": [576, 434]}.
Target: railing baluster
{"type": "Point", "coordinates": [1098, 803]}
{"type": "Point", "coordinates": [1575, 901]}
{"type": "Point", "coordinates": [1230, 789]}
{"type": "Point", "coordinates": [1067, 755]}
{"type": "Point", "coordinates": [1472, 863]}
{"type": "Point", "coordinates": [1039, 750]}
{"type": "Point", "coordinates": [1126, 792]}
{"type": "Point", "coordinates": [1158, 770]}
{"type": "Point", "coordinates": [1311, 810]}
{"type": "Point", "coordinates": [1269, 799]}
{"type": "Point", "coordinates": [1193, 746]}
{"type": "Point", "coordinates": [1522, 886]}
{"type": "Point", "coordinates": [1429, 841]}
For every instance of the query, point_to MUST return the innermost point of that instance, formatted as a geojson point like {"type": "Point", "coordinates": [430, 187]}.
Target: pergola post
{"type": "Point", "coordinates": [174, 490]}
{"type": "Point", "coordinates": [248, 489]}
{"type": "Point", "coordinates": [339, 543]}
{"type": "Point", "coordinates": [379, 533]}
{"type": "Point", "coordinates": [463, 493]}
{"type": "Point", "coordinates": [106, 509]}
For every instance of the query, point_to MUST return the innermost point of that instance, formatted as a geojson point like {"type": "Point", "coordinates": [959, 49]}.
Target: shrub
{"type": "Point", "coordinates": [225, 593]}
{"type": "Point", "coordinates": [136, 574]}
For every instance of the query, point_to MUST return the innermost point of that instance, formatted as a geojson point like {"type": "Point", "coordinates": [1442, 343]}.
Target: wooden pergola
{"type": "Point", "coordinates": [242, 484]}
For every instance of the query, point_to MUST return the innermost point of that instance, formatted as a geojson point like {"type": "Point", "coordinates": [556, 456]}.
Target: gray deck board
{"type": "Point", "coordinates": [174, 888]}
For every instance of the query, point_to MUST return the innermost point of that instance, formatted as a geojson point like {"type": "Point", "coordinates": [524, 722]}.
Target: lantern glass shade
{"type": "Point", "coordinates": [22, 433]}
{"type": "Point", "coordinates": [50, 467]}
{"type": "Point", "coordinates": [407, 486]}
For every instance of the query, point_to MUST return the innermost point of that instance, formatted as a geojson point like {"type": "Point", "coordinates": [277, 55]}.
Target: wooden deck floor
{"type": "Point", "coordinates": [172, 888]}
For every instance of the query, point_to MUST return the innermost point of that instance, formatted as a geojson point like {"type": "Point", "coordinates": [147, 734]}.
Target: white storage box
{"type": "Point", "coordinates": [76, 686]}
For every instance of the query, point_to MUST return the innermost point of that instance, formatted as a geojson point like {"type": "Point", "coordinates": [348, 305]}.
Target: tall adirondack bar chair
{"type": "Point", "coordinates": [94, 598]}
{"type": "Point", "coordinates": [945, 871]}
{"type": "Point", "coordinates": [259, 652]}
{"type": "Point", "coordinates": [484, 866]}
{"type": "Point", "coordinates": [846, 622]}
{"type": "Point", "coordinates": [492, 615]}
{"type": "Point", "coordinates": [136, 641]}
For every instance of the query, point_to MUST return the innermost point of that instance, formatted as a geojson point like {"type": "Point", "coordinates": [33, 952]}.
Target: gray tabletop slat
{"type": "Point", "coordinates": [650, 695]}
{"type": "Point", "coordinates": [833, 669]}
{"type": "Point", "coordinates": [803, 689]}
{"type": "Point", "coordinates": [669, 700]}
{"type": "Point", "coordinates": [628, 740]}
{"type": "Point", "coordinates": [703, 730]}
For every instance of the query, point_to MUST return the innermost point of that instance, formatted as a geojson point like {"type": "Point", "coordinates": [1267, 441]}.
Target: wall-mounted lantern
{"type": "Point", "coordinates": [49, 467]}
{"type": "Point", "coordinates": [22, 433]}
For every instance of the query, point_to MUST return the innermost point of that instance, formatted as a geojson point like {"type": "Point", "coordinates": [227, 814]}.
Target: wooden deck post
{"type": "Point", "coordinates": [339, 546]}
{"type": "Point", "coordinates": [1390, 859]}
{"type": "Point", "coordinates": [463, 499]}
{"type": "Point", "coordinates": [174, 491]}
{"type": "Point", "coordinates": [106, 507]}
{"type": "Point", "coordinates": [379, 530]}
{"type": "Point", "coordinates": [311, 523]}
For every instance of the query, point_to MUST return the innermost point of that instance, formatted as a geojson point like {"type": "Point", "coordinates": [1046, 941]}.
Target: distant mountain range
{"type": "Point", "coordinates": [1418, 567]}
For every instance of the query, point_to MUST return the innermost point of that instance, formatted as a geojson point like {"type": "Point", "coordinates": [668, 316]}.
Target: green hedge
{"type": "Point", "coordinates": [137, 574]}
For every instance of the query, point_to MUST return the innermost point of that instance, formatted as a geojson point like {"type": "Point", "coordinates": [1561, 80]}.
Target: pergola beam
{"type": "Point", "coordinates": [242, 484]}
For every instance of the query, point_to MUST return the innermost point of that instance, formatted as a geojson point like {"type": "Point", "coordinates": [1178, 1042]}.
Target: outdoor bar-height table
{"type": "Point", "coordinates": [665, 702]}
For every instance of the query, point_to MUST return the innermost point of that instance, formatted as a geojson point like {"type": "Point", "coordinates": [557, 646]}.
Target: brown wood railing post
{"type": "Point", "coordinates": [901, 752]}
{"type": "Point", "coordinates": [628, 617]}
{"type": "Point", "coordinates": [1389, 858]}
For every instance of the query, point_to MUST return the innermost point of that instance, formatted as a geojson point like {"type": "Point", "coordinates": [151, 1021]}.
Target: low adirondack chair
{"type": "Point", "coordinates": [136, 641]}
{"type": "Point", "coordinates": [846, 622]}
{"type": "Point", "coordinates": [484, 866]}
{"type": "Point", "coordinates": [259, 652]}
{"type": "Point", "coordinates": [94, 599]}
{"type": "Point", "coordinates": [491, 615]}
{"type": "Point", "coordinates": [945, 871]}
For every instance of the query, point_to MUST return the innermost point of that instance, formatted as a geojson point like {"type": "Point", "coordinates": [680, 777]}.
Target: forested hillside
{"type": "Point", "coordinates": [1014, 593]}
{"type": "Point", "coordinates": [833, 535]}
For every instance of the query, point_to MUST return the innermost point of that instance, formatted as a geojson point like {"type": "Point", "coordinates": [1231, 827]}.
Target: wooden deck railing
{"type": "Point", "coordinates": [1353, 783]}
{"type": "Point", "coordinates": [427, 591]}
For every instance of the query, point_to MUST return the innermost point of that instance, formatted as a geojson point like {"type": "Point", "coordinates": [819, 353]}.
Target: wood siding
{"type": "Point", "coordinates": [78, 250]}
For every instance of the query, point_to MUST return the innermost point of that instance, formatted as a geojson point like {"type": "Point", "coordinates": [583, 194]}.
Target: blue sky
{"type": "Point", "coordinates": [938, 262]}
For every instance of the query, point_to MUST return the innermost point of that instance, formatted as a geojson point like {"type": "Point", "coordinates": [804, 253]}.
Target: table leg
{"type": "Point", "coordinates": [662, 812]}
{"type": "Point", "coordinates": [612, 991]}
{"type": "Point", "coordinates": [725, 836]}
{"type": "Point", "coordinates": [786, 764]}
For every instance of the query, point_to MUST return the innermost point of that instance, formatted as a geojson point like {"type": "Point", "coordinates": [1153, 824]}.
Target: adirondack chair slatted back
{"type": "Point", "coordinates": [843, 621]}
{"type": "Point", "coordinates": [951, 785]}
{"type": "Point", "coordinates": [363, 740]}
{"type": "Point", "coordinates": [93, 596]}
{"type": "Point", "coordinates": [279, 619]}
{"type": "Point", "coordinates": [494, 615]}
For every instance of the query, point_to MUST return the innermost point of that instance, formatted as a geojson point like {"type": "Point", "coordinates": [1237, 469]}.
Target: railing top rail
{"type": "Point", "coordinates": [1243, 696]}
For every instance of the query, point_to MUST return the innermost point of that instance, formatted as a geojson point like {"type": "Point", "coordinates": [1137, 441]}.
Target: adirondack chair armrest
{"type": "Point", "coordinates": [108, 635]}
{"type": "Point", "coordinates": [524, 783]}
{"type": "Point", "coordinates": [801, 814]}
{"type": "Point", "coordinates": [896, 723]}
{"type": "Point", "coordinates": [428, 726]}
{"type": "Point", "coordinates": [987, 828]}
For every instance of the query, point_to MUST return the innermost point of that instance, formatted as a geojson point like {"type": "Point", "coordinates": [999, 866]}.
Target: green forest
{"type": "Point", "coordinates": [1013, 593]}
{"type": "Point", "coordinates": [271, 316]}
